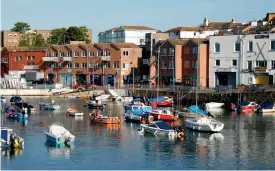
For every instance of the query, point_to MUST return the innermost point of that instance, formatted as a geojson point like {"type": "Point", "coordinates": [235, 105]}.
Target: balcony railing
{"type": "Point", "coordinates": [50, 59]}
{"type": "Point", "coordinates": [67, 59]}
{"type": "Point", "coordinates": [105, 58]}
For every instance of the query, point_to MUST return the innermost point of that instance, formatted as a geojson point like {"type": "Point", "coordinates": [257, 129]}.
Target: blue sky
{"type": "Point", "coordinates": [101, 15]}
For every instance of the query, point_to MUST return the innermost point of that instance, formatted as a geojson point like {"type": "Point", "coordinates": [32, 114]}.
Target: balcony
{"type": "Point", "coordinates": [67, 59]}
{"type": "Point", "coordinates": [105, 58]}
{"type": "Point", "coordinates": [50, 59]}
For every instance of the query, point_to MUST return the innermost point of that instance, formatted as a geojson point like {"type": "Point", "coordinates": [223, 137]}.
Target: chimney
{"type": "Point", "coordinates": [206, 22]}
{"type": "Point", "coordinates": [233, 21]}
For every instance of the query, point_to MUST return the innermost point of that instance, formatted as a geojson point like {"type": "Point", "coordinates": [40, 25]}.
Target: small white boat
{"type": "Point", "coordinates": [74, 112]}
{"type": "Point", "coordinates": [211, 105]}
{"type": "Point", "coordinates": [266, 108]}
{"type": "Point", "coordinates": [158, 128]}
{"type": "Point", "coordinates": [204, 124]}
{"type": "Point", "coordinates": [56, 133]}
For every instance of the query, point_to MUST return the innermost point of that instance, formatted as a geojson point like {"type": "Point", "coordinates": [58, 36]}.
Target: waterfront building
{"type": "Point", "coordinates": [27, 61]}
{"type": "Point", "coordinates": [241, 59]}
{"type": "Point", "coordinates": [126, 34]}
{"type": "Point", "coordinates": [178, 62]}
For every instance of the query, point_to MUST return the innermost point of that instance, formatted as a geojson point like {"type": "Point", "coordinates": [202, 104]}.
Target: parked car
{"type": "Point", "coordinates": [82, 87]}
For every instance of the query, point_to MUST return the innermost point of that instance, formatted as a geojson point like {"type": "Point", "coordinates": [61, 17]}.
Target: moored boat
{"type": "Point", "coordinates": [14, 114]}
{"type": "Point", "coordinates": [211, 105]}
{"type": "Point", "coordinates": [10, 140]}
{"type": "Point", "coordinates": [161, 101]}
{"type": "Point", "coordinates": [158, 128]}
{"type": "Point", "coordinates": [266, 108]}
{"type": "Point", "coordinates": [204, 124]}
{"type": "Point", "coordinates": [74, 112]}
{"type": "Point", "coordinates": [57, 134]}
{"type": "Point", "coordinates": [134, 113]}
{"type": "Point", "coordinates": [49, 106]}
{"type": "Point", "coordinates": [163, 115]}
{"type": "Point", "coordinates": [94, 103]}
{"type": "Point", "coordinates": [96, 118]}
{"type": "Point", "coordinates": [247, 106]}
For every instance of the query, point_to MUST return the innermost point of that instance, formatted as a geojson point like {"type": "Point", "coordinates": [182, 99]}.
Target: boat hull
{"type": "Point", "coordinates": [165, 117]}
{"type": "Point", "coordinates": [204, 127]}
{"type": "Point", "coordinates": [156, 131]}
{"type": "Point", "coordinates": [107, 120]}
{"type": "Point", "coordinates": [58, 140]}
{"type": "Point", "coordinates": [214, 105]}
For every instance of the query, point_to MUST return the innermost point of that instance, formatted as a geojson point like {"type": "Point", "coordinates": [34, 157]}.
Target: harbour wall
{"type": "Point", "coordinates": [25, 92]}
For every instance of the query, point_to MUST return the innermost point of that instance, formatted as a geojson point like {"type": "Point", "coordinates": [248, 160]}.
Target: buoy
{"type": "Point", "coordinates": [119, 137]}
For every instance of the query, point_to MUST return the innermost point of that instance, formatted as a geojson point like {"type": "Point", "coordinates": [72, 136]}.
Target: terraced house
{"type": "Point", "coordinates": [100, 63]}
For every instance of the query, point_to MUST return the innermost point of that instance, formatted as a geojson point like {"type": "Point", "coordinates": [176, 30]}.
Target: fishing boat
{"type": "Point", "coordinates": [57, 134]}
{"type": "Point", "coordinates": [158, 128]}
{"type": "Point", "coordinates": [266, 108]}
{"type": "Point", "coordinates": [74, 112]}
{"type": "Point", "coordinates": [212, 105]}
{"type": "Point", "coordinates": [247, 106]}
{"type": "Point", "coordinates": [204, 124]}
{"type": "Point", "coordinates": [14, 114]}
{"type": "Point", "coordinates": [96, 118]}
{"type": "Point", "coordinates": [10, 140]}
{"type": "Point", "coordinates": [163, 101]}
{"type": "Point", "coordinates": [49, 106]}
{"type": "Point", "coordinates": [163, 115]}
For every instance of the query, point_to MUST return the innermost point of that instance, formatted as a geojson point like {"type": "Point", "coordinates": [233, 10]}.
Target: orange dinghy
{"type": "Point", "coordinates": [104, 119]}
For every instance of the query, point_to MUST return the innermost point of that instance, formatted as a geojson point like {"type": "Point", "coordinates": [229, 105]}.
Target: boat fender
{"type": "Point", "coordinates": [158, 116]}
{"type": "Point", "coordinates": [15, 143]}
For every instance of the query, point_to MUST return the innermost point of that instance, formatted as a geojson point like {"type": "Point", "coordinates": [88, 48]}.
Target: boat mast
{"type": "Point", "coordinates": [158, 74]}
{"type": "Point", "coordinates": [197, 82]}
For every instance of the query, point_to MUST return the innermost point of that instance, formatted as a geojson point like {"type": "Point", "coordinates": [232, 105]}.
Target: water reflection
{"type": "Point", "coordinates": [217, 111]}
{"type": "Point", "coordinates": [10, 154]}
{"type": "Point", "coordinates": [58, 151]}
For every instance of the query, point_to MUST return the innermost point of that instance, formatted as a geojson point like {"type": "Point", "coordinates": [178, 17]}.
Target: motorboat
{"type": "Point", "coordinates": [158, 128]}
{"type": "Point", "coordinates": [49, 106]}
{"type": "Point", "coordinates": [96, 118]}
{"type": "Point", "coordinates": [204, 124]}
{"type": "Point", "coordinates": [94, 103]}
{"type": "Point", "coordinates": [163, 115]}
{"type": "Point", "coordinates": [247, 106]}
{"type": "Point", "coordinates": [163, 101]}
{"type": "Point", "coordinates": [266, 108]}
{"type": "Point", "coordinates": [14, 114]}
{"type": "Point", "coordinates": [18, 101]}
{"type": "Point", "coordinates": [197, 110]}
{"type": "Point", "coordinates": [57, 134]}
{"type": "Point", "coordinates": [3, 99]}
{"type": "Point", "coordinates": [10, 140]}
{"type": "Point", "coordinates": [74, 112]}
{"type": "Point", "coordinates": [137, 102]}
{"type": "Point", "coordinates": [212, 105]}
{"type": "Point", "coordinates": [134, 113]}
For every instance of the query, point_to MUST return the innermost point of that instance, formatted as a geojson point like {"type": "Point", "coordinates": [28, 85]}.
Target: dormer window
{"type": "Point", "coordinates": [99, 53]}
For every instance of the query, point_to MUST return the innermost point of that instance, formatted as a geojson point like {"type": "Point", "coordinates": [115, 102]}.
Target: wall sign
{"type": "Point", "coordinates": [31, 67]}
{"type": "Point", "coordinates": [261, 36]}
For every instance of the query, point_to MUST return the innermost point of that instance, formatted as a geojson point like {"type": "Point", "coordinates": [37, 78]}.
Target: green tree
{"type": "Point", "coordinates": [58, 36]}
{"type": "Point", "coordinates": [21, 27]}
{"type": "Point", "coordinates": [84, 31]}
{"type": "Point", "coordinates": [32, 40]}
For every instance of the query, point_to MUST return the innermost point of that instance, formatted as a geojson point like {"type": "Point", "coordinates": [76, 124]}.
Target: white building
{"type": "Point", "coordinates": [127, 34]}
{"type": "Point", "coordinates": [241, 59]}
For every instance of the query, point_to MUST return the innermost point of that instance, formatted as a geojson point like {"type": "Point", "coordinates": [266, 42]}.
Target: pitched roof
{"type": "Point", "coordinates": [101, 45]}
{"type": "Point", "coordinates": [182, 28]}
{"type": "Point", "coordinates": [71, 46]}
{"type": "Point", "coordinates": [136, 28]}
{"type": "Point", "coordinates": [124, 45]}
{"type": "Point", "coordinates": [57, 47]}
{"type": "Point", "coordinates": [178, 41]}
{"type": "Point", "coordinates": [200, 40]}
{"type": "Point", "coordinates": [10, 49]}
{"type": "Point", "coordinates": [86, 46]}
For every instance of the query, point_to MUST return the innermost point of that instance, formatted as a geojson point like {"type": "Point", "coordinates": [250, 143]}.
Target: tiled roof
{"type": "Point", "coordinates": [178, 41]}
{"type": "Point", "coordinates": [57, 47]}
{"type": "Point", "coordinates": [101, 45]}
{"type": "Point", "coordinates": [86, 46]}
{"type": "Point", "coordinates": [71, 46]}
{"type": "Point", "coordinates": [125, 45]}
{"type": "Point", "coordinates": [184, 29]}
{"type": "Point", "coordinates": [23, 49]}
{"type": "Point", "coordinates": [200, 40]}
{"type": "Point", "coordinates": [136, 28]}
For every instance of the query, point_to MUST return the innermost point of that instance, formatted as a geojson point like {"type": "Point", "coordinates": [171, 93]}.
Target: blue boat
{"type": "Point", "coordinates": [159, 99]}
{"type": "Point", "coordinates": [10, 140]}
{"type": "Point", "coordinates": [13, 114]}
{"type": "Point", "coordinates": [197, 110]}
{"type": "Point", "coordinates": [57, 134]}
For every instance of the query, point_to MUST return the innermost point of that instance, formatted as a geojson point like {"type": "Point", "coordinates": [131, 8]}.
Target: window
{"type": "Point", "coordinates": [10, 35]}
{"type": "Point", "coordinates": [107, 53]}
{"type": "Point", "coordinates": [272, 64]}
{"type": "Point", "coordinates": [261, 64]}
{"type": "Point", "coordinates": [250, 46]}
{"type": "Point", "coordinates": [92, 54]}
{"type": "Point", "coordinates": [249, 65]}
{"type": "Point", "coordinates": [163, 51]}
{"type": "Point", "coordinates": [55, 54]}
{"type": "Point", "coordinates": [186, 50]}
{"type": "Point", "coordinates": [99, 65]}
{"type": "Point", "coordinates": [116, 65]}
{"type": "Point", "coordinates": [164, 65]}
{"type": "Point", "coordinates": [14, 34]}
{"type": "Point", "coordinates": [217, 62]}
{"type": "Point", "coordinates": [186, 64]}
{"type": "Point", "coordinates": [62, 54]}
{"type": "Point", "coordinates": [69, 65]}
{"type": "Point", "coordinates": [99, 53]}
{"type": "Point", "coordinates": [91, 65]}
{"type": "Point", "coordinates": [125, 65]}
{"type": "Point", "coordinates": [171, 64]}
{"type": "Point", "coordinates": [171, 51]}
{"type": "Point", "coordinates": [237, 47]}
{"type": "Point", "coordinates": [33, 57]}
{"type": "Point", "coordinates": [29, 58]}
{"type": "Point", "coordinates": [107, 65]}
{"type": "Point", "coordinates": [54, 65]}
{"type": "Point", "coordinates": [84, 54]}
{"type": "Point", "coordinates": [195, 50]}
{"type": "Point", "coordinates": [48, 54]}
{"type": "Point", "coordinates": [217, 48]}
{"type": "Point", "coordinates": [76, 54]}
{"type": "Point", "coordinates": [33, 63]}
{"type": "Point", "coordinates": [249, 80]}
{"type": "Point", "coordinates": [272, 45]}
{"type": "Point", "coordinates": [20, 58]}
{"type": "Point", "coordinates": [234, 62]}
{"type": "Point", "coordinates": [62, 65]}
{"type": "Point", "coordinates": [194, 64]}
{"type": "Point", "coordinates": [76, 65]}
{"type": "Point", "coordinates": [69, 53]}
{"type": "Point", "coordinates": [84, 65]}
{"type": "Point", "coordinates": [125, 53]}
{"type": "Point", "coordinates": [154, 42]}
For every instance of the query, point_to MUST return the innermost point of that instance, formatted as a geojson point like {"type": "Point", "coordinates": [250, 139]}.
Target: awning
{"type": "Point", "coordinates": [261, 73]}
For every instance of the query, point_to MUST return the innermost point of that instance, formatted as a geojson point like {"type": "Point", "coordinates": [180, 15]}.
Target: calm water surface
{"type": "Point", "coordinates": [247, 142]}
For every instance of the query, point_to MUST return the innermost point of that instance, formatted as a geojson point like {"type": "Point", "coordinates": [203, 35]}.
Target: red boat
{"type": "Point", "coordinates": [167, 102]}
{"type": "Point", "coordinates": [248, 106]}
{"type": "Point", "coordinates": [163, 115]}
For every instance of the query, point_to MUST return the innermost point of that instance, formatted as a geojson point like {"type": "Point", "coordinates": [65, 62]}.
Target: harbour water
{"type": "Point", "coordinates": [247, 142]}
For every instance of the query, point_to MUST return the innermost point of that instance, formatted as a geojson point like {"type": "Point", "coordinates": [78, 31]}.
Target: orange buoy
{"type": "Point", "coordinates": [119, 137]}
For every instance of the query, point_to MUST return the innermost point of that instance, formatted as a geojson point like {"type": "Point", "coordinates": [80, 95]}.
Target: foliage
{"type": "Point", "coordinates": [73, 33]}
{"type": "Point", "coordinates": [21, 27]}
{"type": "Point", "coordinates": [32, 40]}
